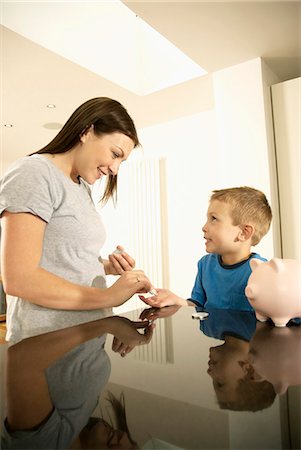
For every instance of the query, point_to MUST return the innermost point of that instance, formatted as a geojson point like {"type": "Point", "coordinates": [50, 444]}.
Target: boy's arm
{"type": "Point", "coordinates": [191, 302]}
{"type": "Point", "coordinates": [164, 297]}
{"type": "Point", "coordinates": [198, 294]}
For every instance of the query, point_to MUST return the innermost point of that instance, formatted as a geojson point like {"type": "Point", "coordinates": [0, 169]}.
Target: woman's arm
{"type": "Point", "coordinates": [28, 399]}
{"type": "Point", "coordinates": [21, 252]}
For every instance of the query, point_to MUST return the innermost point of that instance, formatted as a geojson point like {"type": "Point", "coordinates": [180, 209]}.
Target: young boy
{"type": "Point", "coordinates": [237, 219]}
{"type": "Point", "coordinates": [234, 378]}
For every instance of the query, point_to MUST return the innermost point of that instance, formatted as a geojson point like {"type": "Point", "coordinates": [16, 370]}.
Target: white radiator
{"type": "Point", "coordinates": [142, 189]}
{"type": "Point", "coordinates": [142, 199]}
{"type": "Point", "coordinates": [147, 218]}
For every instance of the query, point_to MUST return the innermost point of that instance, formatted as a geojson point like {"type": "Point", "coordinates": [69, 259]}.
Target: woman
{"type": "Point", "coordinates": [54, 381]}
{"type": "Point", "coordinates": [51, 232]}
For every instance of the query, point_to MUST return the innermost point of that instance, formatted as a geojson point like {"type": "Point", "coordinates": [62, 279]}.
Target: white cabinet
{"type": "Point", "coordinates": [286, 103]}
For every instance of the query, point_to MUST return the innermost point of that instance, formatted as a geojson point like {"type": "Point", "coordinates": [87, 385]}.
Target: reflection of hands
{"type": "Point", "coordinates": [163, 298]}
{"type": "Point", "coordinates": [119, 261]}
{"type": "Point", "coordinates": [159, 313]}
{"type": "Point", "coordinates": [126, 334]}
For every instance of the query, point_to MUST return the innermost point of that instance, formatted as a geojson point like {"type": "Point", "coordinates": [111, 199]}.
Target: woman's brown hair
{"type": "Point", "coordinates": [107, 116]}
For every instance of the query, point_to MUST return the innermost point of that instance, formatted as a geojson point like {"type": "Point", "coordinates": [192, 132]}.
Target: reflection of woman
{"type": "Point", "coordinates": [54, 381]}
{"type": "Point", "coordinates": [51, 232]}
{"type": "Point", "coordinates": [99, 434]}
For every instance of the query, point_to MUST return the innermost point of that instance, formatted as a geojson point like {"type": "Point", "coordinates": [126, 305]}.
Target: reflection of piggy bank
{"type": "Point", "coordinates": [275, 354]}
{"type": "Point", "coordinates": [274, 289]}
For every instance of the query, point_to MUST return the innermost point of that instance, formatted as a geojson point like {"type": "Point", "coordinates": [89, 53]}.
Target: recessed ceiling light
{"type": "Point", "coordinates": [8, 125]}
{"type": "Point", "coordinates": [51, 105]}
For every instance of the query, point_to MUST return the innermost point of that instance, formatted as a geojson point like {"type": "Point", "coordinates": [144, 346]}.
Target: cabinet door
{"type": "Point", "coordinates": [286, 103]}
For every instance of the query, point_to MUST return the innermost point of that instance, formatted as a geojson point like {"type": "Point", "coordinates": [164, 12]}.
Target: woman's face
{"type": "Point", "coordinates": [100, 156]}
{"type": "Point", "coordinates": [103, 436]}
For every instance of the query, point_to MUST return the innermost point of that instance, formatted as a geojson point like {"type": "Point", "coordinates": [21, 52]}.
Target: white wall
{"type": "Point", "coordinates": [246, 427]}
{"type": "Point", "coordinates": [189, 146]}
{"type": "Point", "coordinates": [242, 133]}
{"type": "Point", "coordinates": [227, 146]}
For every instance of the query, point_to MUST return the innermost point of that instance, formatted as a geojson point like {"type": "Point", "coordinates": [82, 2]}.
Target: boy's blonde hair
{"type": "Point", "coordinates": [250, 395]}
{"type": "Point", "coordinates": [248, 206]}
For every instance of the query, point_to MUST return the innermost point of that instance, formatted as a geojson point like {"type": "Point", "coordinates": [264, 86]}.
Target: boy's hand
{"type": "Point", "coordinates": [159, 313]}
{"type": "Point", "coordinates": [163, 298]}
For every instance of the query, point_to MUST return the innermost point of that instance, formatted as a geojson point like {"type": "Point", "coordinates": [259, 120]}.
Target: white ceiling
{"type": "Point", "coordinates": [213, 34]}
{"type": "Point", "coordinates": [130, 48]}
{"type": "Point", "coordinates": [221, 34]}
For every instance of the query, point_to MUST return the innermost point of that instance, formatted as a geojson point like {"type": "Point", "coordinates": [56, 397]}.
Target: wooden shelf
{"type": "Point", "coordinates": [2, 322]}
{"type": "Point", "coordinates": [2, 332]}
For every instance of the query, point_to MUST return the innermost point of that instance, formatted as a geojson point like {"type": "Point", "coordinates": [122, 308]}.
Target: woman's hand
{"type": "Point", "coordinates": [163, 298]}
{"type": "Point", "coordinates": [126, 334]}
{"type": "Point", "coordinates": [128, 284]}
{"type": "Point", "coordinates": [118, 262]}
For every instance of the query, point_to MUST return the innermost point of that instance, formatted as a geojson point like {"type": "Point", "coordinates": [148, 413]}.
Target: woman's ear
{"type": "Point", "coordinates": [84, 134]}
{"type": "Point", "coordinates": [246, 232]}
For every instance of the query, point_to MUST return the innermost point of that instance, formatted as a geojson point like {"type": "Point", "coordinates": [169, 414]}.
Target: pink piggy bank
{"type": "Point", "coordinates": [275, 354]}
{"type": "Point", "coordinates": [274, 290]}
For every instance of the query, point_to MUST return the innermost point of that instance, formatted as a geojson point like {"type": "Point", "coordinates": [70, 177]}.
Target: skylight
{"type": "Point", "coordinates": [105, 37]}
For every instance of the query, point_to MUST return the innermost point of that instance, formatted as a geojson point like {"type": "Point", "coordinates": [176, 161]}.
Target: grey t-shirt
{"type": "Point", "coordinates": [73, 238]}
{"type": "Point", "coordinates": [75, 382]}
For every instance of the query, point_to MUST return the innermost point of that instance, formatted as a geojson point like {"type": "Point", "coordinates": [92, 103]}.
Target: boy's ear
{"type": "Point", "coordinates": [246, 232]}
{"type": "Point", "coordinates": [248, 369]}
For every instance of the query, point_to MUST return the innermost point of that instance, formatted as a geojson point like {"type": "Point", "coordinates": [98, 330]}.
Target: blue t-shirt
{"type": "Point", "coordinates": [226, 322]}
{"type": "Point", "coordinates": [222, 286]}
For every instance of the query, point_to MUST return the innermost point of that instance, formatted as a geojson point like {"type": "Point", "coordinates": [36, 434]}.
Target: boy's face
{"type": "Point", "coordinates": [225, 367]}
{"type": "Point", "coordinates": [219, 232]}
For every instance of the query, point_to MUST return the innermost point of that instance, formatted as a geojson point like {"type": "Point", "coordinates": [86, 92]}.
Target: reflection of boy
{"type": "Point", "coordinates": [234, 378]}
{"type": "Point", "coordinates": [227, 322]}
{"type": "Point", "coordinates": [237, 219]}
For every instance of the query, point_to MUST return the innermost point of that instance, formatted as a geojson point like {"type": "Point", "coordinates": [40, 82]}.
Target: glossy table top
{"type": "Point", "coordinates": [224, 382]}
